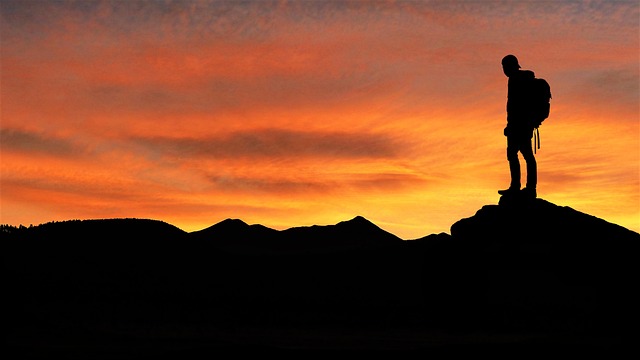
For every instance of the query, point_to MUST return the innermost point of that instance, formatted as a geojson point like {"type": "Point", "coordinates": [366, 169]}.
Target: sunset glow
{"type": "Point", "coordinates": [293, 113]}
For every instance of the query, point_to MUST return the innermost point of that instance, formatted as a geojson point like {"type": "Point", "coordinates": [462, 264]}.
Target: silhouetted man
{"type": "Point", "coordinates": [520, 125]}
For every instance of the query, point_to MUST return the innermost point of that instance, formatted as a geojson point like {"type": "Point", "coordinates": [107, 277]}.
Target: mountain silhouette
{"type": "Point", "coordinates": [565, 267]}
{"type": "Point", "coordinates": [507, 272]}
{"type": "Point", "coordinates": [236, 236]}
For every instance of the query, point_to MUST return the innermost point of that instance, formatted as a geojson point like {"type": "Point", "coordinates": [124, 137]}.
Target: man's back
{"type": "Point", "coordinates": [519, 94]}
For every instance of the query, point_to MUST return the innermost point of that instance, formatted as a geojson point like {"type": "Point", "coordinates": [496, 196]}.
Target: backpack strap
{"type": "Point", "coordinates": [536, 139]}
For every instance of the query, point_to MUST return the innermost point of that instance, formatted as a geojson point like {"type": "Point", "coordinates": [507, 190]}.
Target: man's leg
{"type": "Point", "coordinates": [532, 167]}
{"type": "Point", "coordinates": [514, 162]}
{"type": "Point", "coordinates": [514, 165]}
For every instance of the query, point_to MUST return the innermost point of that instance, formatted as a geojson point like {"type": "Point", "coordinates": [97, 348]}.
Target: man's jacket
{"type": "Point", "coordinates": [519, 112]}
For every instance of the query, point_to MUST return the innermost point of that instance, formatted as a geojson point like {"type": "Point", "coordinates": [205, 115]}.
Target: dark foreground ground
{"type": "Point", "coordinates": [515, 279]}
{"type": "Point", "coordinates": [185, 343]}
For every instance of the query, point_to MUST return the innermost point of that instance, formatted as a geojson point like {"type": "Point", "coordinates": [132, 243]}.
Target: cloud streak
{"type": "Point", "coordinates": [336, 185]}
{"type": "Point", "coordinates": [14, 140]}
{"type": "Point", "coordinates": [275, 143]}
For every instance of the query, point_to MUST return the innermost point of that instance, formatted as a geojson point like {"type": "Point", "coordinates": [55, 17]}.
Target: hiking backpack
{"type": "Point", "coordinates": [541, 100]}
{"type": "Point", "coordinates": [541, 106]}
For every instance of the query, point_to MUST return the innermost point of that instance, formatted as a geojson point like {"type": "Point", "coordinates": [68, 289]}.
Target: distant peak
{"type": "Point", "coordinates": [360, 223]}
{"type": "Point", "coordinates": [359, 220]}
{"type": "Point", "coordinates": [232, 222]}
{"type": "Point", "coordinates": [225, 225]}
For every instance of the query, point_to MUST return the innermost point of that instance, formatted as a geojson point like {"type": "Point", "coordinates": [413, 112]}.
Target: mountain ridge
{"type": "Point", "coordinates": [237, 223]}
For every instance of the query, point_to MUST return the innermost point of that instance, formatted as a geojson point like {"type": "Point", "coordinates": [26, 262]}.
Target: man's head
{"type": "Point", "coordinates": [510, 65]}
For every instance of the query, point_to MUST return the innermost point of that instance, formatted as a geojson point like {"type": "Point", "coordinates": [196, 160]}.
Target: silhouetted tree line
{"type": "Point", "coordinates": [11, 229]}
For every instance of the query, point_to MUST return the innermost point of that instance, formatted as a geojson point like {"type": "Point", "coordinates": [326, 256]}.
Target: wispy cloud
{"type": "Point", "coordinates": [14, 140]}
{"type": "Point", "coordinates": [275, 143]}
{"type": "Point", "coordinates": [331, 185]}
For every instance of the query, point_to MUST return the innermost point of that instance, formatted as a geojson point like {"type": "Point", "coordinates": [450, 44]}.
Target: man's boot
{"type": "Point", "coordinates": [529, 192]}
{"type": "Point", "coordinates": [510, 191]}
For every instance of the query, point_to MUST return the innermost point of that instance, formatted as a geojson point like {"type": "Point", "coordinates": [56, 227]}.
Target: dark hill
{"type": "Point", "coordinates": [517, 270]}
{"type": "Point", "coordinates": [113, 228]}
{"type": "Point", "coordinates": [539, 265]}
{"type": "Point", "coordinates": [234, 235]}
{"type": "Point", "coordinates": [540, 222]}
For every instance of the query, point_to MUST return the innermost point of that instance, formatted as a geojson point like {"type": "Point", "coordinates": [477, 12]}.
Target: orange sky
{"type": "Point", "coordinates": [309, 112]}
